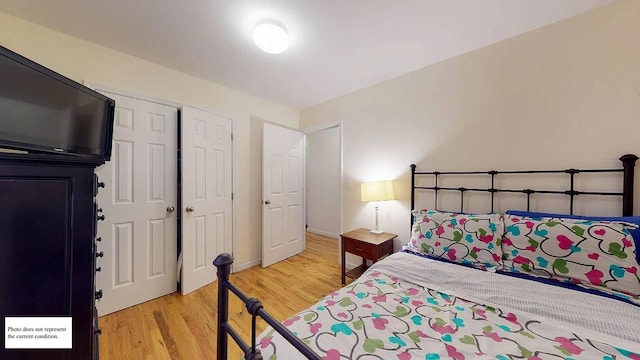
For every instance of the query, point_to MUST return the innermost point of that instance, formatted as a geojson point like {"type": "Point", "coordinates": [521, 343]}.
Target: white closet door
{"type": "Point", "coordinates": [206, 195]}
{"type": "Point", "coordinates": [139, 234]}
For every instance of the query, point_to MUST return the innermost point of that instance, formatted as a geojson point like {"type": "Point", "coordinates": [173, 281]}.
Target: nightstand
{"type": "Point", "coordinates": [369, 246]}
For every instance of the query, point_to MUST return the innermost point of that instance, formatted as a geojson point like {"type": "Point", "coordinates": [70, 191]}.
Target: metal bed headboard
{"type": "Point", "coordinates": [628, 166]}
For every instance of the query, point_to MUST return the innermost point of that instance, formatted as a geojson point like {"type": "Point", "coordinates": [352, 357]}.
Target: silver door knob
{"type": "Point", "coordinates": [190, 209]}
{"type": "Point", "coordinates": [170, 209]}
{"type": "Point", "coordinates": [267, 202]}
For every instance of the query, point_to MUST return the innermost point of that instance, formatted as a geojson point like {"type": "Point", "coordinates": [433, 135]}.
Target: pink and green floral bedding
{"type": "Point", "coordinates": [407, 307]}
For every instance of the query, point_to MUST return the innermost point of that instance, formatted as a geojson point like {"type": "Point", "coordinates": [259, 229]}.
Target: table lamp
{"type": "Point", "coordinates": [377, 191]}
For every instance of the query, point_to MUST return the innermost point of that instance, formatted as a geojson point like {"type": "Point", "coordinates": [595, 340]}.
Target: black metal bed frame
{"type": "Point", "coordinates": [628, 164]}
{"type": "Point", "coordinates": [254, 307]}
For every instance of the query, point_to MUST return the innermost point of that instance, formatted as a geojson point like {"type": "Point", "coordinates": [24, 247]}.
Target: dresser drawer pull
{"type": "Point", "coordinates": [359, 249]}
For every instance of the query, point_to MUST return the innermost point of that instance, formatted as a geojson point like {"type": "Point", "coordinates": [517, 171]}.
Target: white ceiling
{"type": "Point", "coordinates": [337, 46]}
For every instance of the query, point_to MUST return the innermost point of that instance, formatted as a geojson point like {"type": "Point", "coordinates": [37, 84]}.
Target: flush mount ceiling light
{"type": "Point", "coordinates": [271, 36]}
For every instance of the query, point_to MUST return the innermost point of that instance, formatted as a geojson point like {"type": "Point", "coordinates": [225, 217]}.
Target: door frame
{"type": "Point", "coordinates": [121, 92]}
{"type": "Point", "coordinates": [101, 87]}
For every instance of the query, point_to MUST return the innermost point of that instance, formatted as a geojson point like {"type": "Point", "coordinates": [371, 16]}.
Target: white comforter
{"type": "Point", "coordinates": [408, 307]}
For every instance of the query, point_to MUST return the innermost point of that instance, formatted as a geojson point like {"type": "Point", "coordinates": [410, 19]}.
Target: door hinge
{"type": "Point", "coordinates": [231, 136]}
{"type": "Point", "coordinates": [231, 196]}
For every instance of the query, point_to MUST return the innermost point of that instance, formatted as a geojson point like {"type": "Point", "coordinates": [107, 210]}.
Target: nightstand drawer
{"type": "Point", "coordinates": [368, 245]}
{"type": "Point", "coordinates": [359, 248]}
{"type": "Point", "coordinates": [386, 248]}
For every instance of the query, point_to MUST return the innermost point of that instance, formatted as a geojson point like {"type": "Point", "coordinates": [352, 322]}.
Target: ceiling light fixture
{"type": "Point", "coordinates": [271, 36]}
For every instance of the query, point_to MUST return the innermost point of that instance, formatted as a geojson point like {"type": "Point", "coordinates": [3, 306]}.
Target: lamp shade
{"type": "Point", "coordinates": [377, 191]}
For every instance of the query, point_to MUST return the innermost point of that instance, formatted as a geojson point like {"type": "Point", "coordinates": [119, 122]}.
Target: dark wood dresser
{"type": "Point", "coordinates": [48, 253]}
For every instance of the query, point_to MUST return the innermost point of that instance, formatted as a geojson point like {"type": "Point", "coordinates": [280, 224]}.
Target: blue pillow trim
{"type": "Point", "coordinates": [532, 278]}
{"type": "Point", "coordinates": [635, 233]}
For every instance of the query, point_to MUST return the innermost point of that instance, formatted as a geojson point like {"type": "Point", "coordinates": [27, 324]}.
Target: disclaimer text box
{"type": "Point", "coordinates": [37, 332]}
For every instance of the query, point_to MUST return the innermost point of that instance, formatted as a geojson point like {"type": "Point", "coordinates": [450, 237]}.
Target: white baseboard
{"type": "Point", "coordinates": [352, 265]}
{"type": "Point", "coordinates": [246, 265]}
{"type": "Point", "coordinates": [324, 233]}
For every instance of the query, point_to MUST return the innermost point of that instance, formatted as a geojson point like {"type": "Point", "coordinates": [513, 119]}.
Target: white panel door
{"type": "Point", "coordinates": [283, 194]}
{"type": "Point", "coordinates": [139, 234]}
{"type": "Point", "coordinates": [206, 195]}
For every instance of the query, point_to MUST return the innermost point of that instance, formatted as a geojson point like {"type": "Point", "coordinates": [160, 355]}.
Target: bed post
{"type": "Point", "coordinates": [628, 164]}
{"type": "Point", "coordinates": [413, 190]}
{"type": "Point", "coordinates": [223, 264]}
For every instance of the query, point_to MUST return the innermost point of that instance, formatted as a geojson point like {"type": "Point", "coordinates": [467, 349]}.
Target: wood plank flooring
{"type": "Point", "coordinates": [184, 327]}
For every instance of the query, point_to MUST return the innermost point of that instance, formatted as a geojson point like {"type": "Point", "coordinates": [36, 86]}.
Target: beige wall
{"type": "Point", "coordinates": [84, 61]}
{"type": "Point", "coordinates": [567, 95]}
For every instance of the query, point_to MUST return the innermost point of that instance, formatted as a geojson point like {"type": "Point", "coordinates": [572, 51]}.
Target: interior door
{"type": "Point", "coordinates": [283, 193]}
{"type": "Point", "coordinates": [139, 233]}
{"type": "Point", "coordinates": [206, 195]}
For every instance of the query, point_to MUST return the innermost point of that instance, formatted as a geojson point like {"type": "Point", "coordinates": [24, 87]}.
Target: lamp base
{"type": "Point", "coordinates": [376, 231]}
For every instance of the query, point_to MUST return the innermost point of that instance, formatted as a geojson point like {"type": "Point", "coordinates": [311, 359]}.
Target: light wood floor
{"type": "Point", "coordinates": [184, 327]}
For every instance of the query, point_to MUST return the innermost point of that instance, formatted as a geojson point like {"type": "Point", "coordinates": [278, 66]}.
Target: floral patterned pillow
{"type": "Point", "coordinates": [591, 253]}
{"type": "Point", "coordinates": [471, 239]}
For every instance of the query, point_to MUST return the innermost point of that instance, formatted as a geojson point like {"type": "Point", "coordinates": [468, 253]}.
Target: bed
{"type": "Point", "coordinates": [513, 285]}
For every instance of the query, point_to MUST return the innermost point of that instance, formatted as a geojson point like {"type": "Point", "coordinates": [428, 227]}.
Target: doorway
{"type": "Point", "coordinates": [324, 174]}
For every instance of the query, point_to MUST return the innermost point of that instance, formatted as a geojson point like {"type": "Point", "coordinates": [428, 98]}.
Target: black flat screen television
{"type": "Point", "coordinates": [43, 111]}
